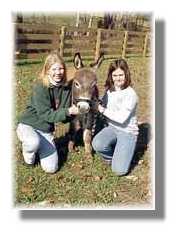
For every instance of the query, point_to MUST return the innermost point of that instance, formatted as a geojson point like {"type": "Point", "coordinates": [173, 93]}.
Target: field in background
{"type": "Point", "coordinates": [79, 182]}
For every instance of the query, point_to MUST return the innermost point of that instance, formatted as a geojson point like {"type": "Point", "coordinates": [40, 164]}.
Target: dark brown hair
{"type": "Point", "coordinates": [122, 64]}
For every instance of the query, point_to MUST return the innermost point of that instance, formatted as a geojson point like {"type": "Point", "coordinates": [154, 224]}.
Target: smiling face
{"type": "Point", "coordinates": [118, 77]}
{"type": "Point", "coordinates": [56, 72]}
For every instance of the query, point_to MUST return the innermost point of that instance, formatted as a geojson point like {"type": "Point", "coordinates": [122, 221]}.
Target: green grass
{"type": "Point", "coordinates": [80, 182]}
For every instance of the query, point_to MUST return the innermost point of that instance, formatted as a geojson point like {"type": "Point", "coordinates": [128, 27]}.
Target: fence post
{"type": "Point", "coordinates": [124, 44]}
{"type": "Point", "coordinates": [145, 45]}
{"type": "Point", "coordinates": [55, 41]}
{"type": "Point", "coordinates": [62, 36]}
{"type": "Point", "coordinates": [98, 44]}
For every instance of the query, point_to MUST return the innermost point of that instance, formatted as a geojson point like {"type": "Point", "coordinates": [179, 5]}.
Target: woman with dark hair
{"type": "Point", "coordinates": [116, 142]}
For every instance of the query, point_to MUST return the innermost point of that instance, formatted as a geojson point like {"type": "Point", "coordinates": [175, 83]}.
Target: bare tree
{"type": "Point", "coordinates": [19, 18]}
{"type": "Point", "coordinates": [90, 21]}
{"type": "Point", "coordinates": [77, 19]}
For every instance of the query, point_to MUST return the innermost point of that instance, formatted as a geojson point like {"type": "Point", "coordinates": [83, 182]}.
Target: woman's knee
{"type": "Point", "coordinates": [97, 144]}
{"type": "Point", "coordinates": [32, 144]}
{"type": "Point", "coordinates": [51, 169]}
{"type": "Point", "coordinates": [29, 138]}
{"type": "Point", "coordinates": [50, 164]}
{"type": "Point", "coordinates": [118, 170]}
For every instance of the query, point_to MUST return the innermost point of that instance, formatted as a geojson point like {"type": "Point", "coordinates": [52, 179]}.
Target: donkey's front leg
{"type": "Point", "coordinates": [74, 129]}
{"type": "Point", "coordinates": [87, 142]}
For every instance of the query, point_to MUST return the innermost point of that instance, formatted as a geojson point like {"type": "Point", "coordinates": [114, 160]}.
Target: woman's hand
{"type": "Point", "coordinates": [101, 109]}
{"type": "Point", "coordinates": [73, 110]}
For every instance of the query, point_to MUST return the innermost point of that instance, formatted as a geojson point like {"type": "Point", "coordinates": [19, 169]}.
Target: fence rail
{"type": "Point", "coordinates": [35, 41]}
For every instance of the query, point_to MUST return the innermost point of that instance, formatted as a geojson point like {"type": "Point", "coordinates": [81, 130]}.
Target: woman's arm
{"type": "Point", "coordinates": [42, 104]}
{"type": "Point", "coordinates": [123, 112]}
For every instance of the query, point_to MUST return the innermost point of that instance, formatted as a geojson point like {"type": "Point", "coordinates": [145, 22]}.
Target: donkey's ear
{"type": "Point", "coordinates": [78, 61]}
{"type": "Point", "coordinates": [98, 62]}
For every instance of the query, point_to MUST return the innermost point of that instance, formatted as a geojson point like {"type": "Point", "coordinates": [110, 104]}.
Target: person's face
{"type": "Point", "coordinates": [118, 77]}
{"type": "Point", "coordinates": [56, 72]}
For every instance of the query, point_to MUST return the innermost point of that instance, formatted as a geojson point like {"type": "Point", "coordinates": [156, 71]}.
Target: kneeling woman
{"type": "Point", "coordinates": [49, 104]}
{"type": "Point", "coordinates": [116, 142]}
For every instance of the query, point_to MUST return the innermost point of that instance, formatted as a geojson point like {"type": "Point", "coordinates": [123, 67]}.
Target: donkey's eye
{"type": "Point", "coordinates": [77, 85]}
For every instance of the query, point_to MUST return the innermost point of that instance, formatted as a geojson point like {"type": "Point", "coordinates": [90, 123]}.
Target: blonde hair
{"type": "Point", "coordinates": [51, 59]}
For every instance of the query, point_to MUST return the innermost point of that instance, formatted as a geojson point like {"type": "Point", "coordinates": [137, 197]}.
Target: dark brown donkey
{"type": "Point", "coordinates": [86, 96]}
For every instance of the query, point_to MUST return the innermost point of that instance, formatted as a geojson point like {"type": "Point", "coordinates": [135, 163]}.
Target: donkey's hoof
{"type": "Point", "coordinates": [89, 157]}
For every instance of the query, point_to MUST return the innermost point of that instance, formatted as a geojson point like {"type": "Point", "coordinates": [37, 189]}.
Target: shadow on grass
{"type": "Point", "coordinates": [143, 140]}
{"type": "Point", "coordinates": [62, 149]}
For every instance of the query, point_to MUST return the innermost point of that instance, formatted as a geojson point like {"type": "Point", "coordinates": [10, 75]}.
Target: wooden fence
{"type": "Point", "coordinates": [35, 41]}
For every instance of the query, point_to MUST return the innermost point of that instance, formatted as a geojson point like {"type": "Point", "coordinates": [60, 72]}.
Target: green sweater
{"type": "Point", "coordinates": [41, 113]}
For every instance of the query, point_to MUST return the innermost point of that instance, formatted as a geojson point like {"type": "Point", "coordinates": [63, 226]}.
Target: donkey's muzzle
{"type": "Point", "coordinates": [83, 107]}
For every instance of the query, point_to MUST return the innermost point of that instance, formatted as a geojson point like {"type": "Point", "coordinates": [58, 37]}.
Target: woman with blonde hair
{"type": "Point", "coordinates": [50, 103]}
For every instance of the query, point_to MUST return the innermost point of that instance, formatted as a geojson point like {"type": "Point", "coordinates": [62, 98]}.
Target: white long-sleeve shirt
{"type": "Point", "coordinates": [121, 109]}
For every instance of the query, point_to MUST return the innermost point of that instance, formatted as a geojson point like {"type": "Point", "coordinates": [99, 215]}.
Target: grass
{"type": "Point", "coordinates": [80, 182]}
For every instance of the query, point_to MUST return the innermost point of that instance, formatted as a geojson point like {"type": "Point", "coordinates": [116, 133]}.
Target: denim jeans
{"type": "Point", "coordinates": [35, 141]}
{"type": "Point", "coordinates": [116, 146]}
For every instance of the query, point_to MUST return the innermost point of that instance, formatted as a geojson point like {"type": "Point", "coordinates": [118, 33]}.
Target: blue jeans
{"type": "Point", "coordinates": [116, 146]}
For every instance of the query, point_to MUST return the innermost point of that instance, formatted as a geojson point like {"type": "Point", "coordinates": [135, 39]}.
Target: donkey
{"type": "Point", "coordinates": [85, 96]}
